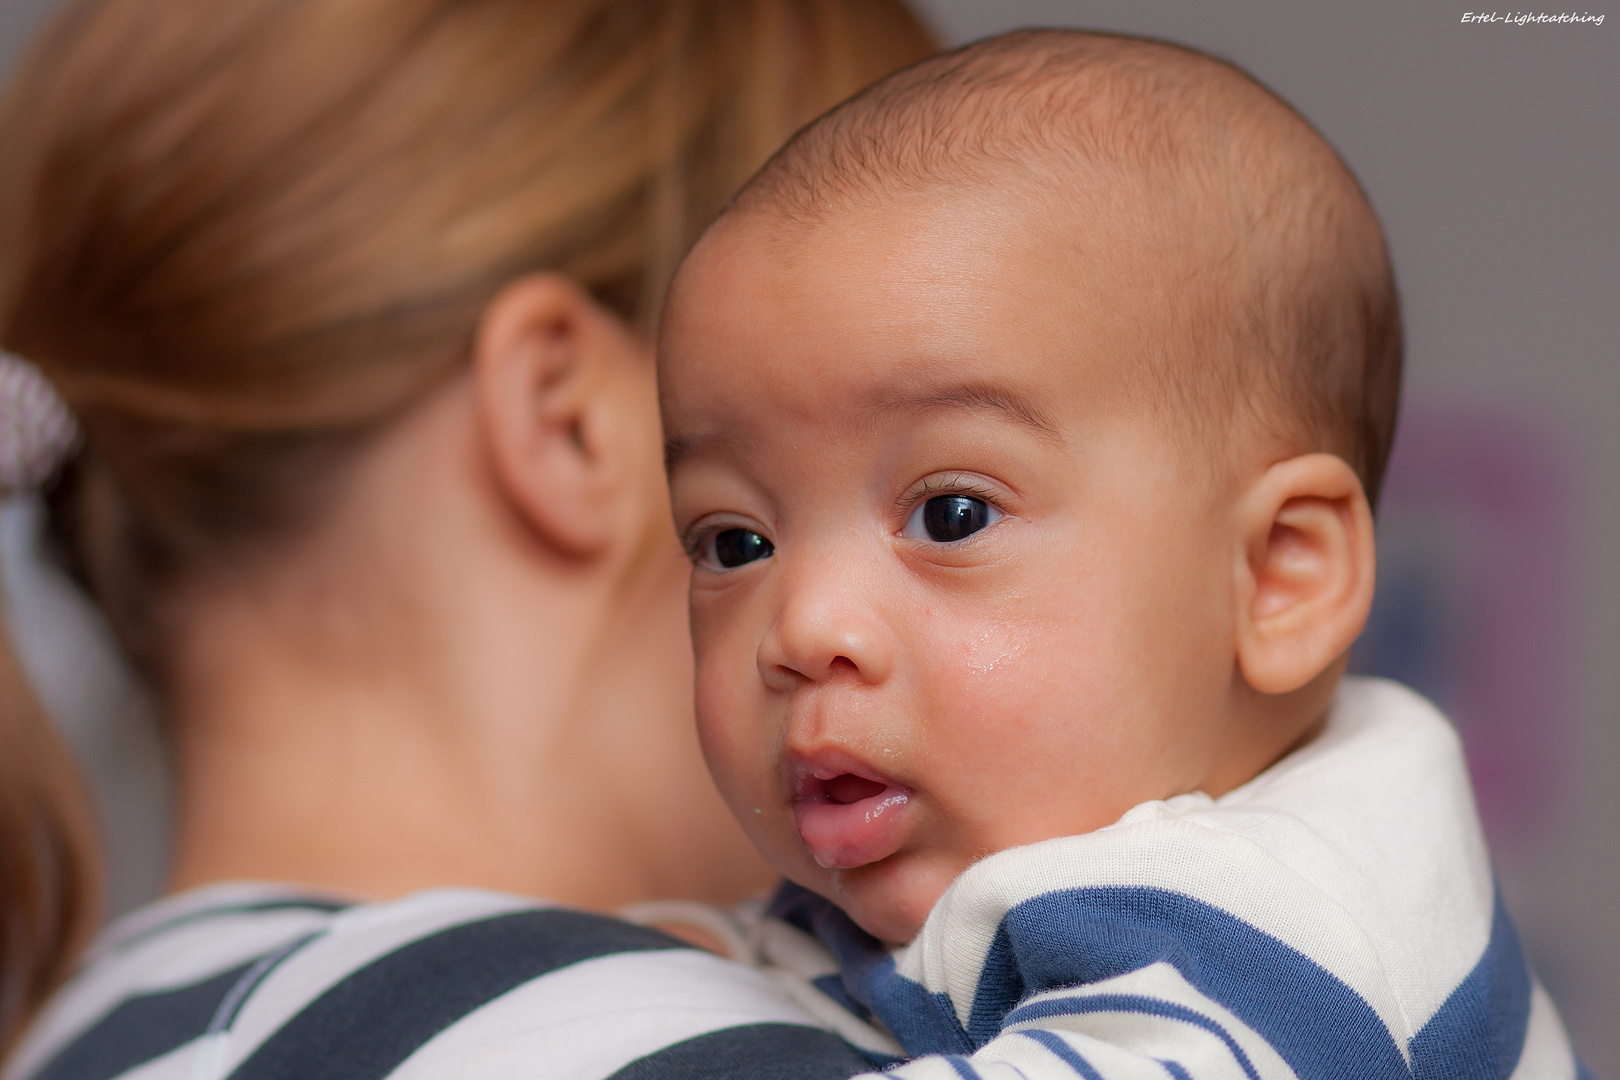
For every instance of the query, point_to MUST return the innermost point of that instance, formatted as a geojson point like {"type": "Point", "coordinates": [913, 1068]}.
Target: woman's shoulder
{"type": "Point", "coordinates": [254, 982]}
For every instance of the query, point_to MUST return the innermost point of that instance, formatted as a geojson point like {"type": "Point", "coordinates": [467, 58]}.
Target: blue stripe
{"type": "Point", "coordinates": [1174, 1069]}
{"type": "Point", "coordinates": [964, 1068]}
{"type": "Point", "coordinates": [1074, 937]}
{"type": "Point", "coordinates": [923, 1022]}
{"type": "Point", "coordinates": [1133, 1003]}
{"type": "Point", "coordinates": [1064, 1053]}
{"type": "Point", "coordinates": [833, 987]}
{"type": "Point", "coordinates": [1479, 1032]}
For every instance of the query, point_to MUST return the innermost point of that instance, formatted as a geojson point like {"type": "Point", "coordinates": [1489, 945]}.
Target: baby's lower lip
{"type": "Point", "coordinates": [849, 820]}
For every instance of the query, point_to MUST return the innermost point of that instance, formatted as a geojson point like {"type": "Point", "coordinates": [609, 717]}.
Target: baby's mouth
{"type": "Point", "coordinates": [848, 815]}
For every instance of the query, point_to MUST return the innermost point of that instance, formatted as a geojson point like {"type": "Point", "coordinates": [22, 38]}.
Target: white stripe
{"type": "Point", "coordinates": [177, 1064]}
{"type": "Point", "coordinates": [1202, 1052]}
{"type": "Point", "coordinates": [588, 1020]}
{"type": "Point", "coordinates": [181, 957]}
{"type": "Point", "coordinates": [118, 965]}
{"type": "Point", "coordinates": [1546, 1053]}
{"type": "Point", "coordinates": [192, 951]}
{"type": "Point", "coordinates": [355, 938]}
{"type": "Point", "coordinates": [937, 1068]}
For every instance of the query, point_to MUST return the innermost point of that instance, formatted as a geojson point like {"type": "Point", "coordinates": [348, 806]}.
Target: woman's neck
{"type": "Point", "coordinates": [377, 760]}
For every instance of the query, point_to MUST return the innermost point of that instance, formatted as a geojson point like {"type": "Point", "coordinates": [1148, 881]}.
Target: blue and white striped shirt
{"type": "Point", "coordinates": [1336, 918]}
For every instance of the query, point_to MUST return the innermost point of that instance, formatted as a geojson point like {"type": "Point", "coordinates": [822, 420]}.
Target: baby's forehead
{"type": "Point", "coordinates": [1015, 301]}
{"type": "Point", "coordinates": [956, 264]}
{"type": "Point", "coordinates": [969, 298]}
{"type": "Point", "coordinates": [1008, 236]}
{"type": "Point", "coordinates": [1062, 234]}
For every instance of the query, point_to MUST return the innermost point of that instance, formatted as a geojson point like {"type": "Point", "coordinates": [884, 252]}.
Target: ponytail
{"type": "Point", "coordinates": [48, 873]}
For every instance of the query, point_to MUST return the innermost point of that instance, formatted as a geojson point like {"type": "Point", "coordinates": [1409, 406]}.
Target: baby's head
{"type": "Point", "coordinates": [1023, 415]}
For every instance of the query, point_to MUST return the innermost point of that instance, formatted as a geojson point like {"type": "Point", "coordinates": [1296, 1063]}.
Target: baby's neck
{"type": "Point", "coordinates": [1265, 728]}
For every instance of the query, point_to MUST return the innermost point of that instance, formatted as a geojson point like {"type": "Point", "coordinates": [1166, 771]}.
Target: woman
{"type": "Point", "coordinates": [350, 301]}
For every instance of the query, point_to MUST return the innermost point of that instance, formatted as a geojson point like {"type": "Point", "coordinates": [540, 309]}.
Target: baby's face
{"type": "Point", "coordinates": [956, 587]}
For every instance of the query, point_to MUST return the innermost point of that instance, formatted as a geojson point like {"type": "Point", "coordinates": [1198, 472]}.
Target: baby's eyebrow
{"type": "Point", "coordinates": [677, 449]}
{"type": "Point", "coordinates": [680, 447]}
{"type": "Point", "coordinates": [977, 396]}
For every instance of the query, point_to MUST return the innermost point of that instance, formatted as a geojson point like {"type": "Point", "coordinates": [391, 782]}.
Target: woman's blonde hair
{"type": "Point", "coordinates": [240, 236]}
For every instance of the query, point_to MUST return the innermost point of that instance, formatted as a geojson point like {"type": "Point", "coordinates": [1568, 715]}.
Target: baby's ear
{"type": "Point", "coordinates": [1305, 573]}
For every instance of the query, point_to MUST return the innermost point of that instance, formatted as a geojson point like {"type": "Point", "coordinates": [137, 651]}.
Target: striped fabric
{"type": "Point", "coordinates": [1334, 918]}
{"type": "Point", "coordinates": [255, 983]}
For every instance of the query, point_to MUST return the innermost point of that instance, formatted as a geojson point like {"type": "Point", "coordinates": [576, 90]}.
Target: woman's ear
{"type": "Point", "coordinates": [1305, 573]}
{"type": "Point", "coordinates": [548, 369]}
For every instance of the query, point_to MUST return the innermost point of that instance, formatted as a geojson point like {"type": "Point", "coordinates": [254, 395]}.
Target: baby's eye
{"type": "Point", "coordinates": [731, 548]}
{"type": "Point", "coordinates": [948, 518]}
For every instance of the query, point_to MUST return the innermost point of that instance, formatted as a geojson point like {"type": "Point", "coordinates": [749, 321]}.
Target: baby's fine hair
{"type": "Point", "coordinates": [1276, 267]}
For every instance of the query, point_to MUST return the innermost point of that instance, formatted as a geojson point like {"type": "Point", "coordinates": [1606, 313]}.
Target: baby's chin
{"type": "Point", "coordinates": [889, 899]}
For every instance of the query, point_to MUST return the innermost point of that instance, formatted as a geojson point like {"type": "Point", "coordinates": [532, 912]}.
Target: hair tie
{"type": "Point", "coordinates": [37, 432]}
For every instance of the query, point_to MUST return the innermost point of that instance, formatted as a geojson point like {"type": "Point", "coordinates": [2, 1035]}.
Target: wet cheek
{"type": "Point", "coordinates": [987, 690]}
{"type": "Point", "coordinates": [1011, 668]}
{"type": "Point", "coordinates": [992, 650]}
{"type": "Point", "coordinates": [1012, 694]}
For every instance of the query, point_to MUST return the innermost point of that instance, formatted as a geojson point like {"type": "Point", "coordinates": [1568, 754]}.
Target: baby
{"type": "Point", "coordinates": [1024, 418]}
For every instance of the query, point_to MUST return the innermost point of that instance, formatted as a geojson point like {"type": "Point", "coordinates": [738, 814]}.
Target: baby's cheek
{"type": "Point", "coordinates": [724, 727]}
{"type": "Point", "coordinates": [990, 651]}
{"type": "Point", "coordinates": [727, 698]}
{"type": "Point", "coordinates": [993, 674]}
{"type": "Point", "coordinates": [1015, 712]}
{"type": "Point", "coordinates": [740, 731]}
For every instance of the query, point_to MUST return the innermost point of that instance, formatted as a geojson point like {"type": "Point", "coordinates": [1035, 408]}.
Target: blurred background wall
{"type": "Point", "coordinates": [1492, 153]}
{"type": "Point", "coordinates": [61, 639]}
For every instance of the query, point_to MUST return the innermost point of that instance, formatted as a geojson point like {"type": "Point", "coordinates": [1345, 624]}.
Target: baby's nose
{"type": "Point", "coordinates": [828, 629]}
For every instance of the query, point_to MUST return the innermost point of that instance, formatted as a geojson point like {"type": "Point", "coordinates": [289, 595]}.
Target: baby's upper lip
{"type": "Point", "coordinates": [809, 771]}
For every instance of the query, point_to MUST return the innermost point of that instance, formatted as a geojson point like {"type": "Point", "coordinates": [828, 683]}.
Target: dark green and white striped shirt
{"type": "Point", "coordinates": [252, 982]}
